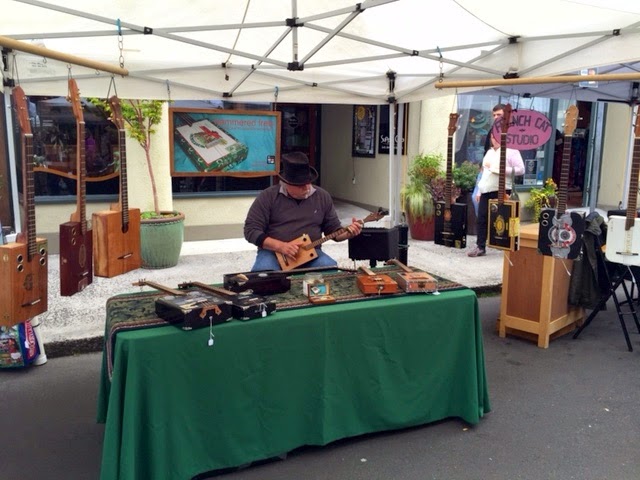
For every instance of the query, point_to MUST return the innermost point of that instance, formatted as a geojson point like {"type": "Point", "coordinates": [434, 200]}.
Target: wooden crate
{"type": "Point", "coordinates": [535, 289]}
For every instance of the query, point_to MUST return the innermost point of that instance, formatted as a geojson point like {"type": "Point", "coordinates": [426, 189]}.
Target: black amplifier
{"type": "Point", "coordinates": [375, 244]}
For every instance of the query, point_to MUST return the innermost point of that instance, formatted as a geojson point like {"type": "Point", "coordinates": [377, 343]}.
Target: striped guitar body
{"type": "Point", "coordinates": [623, 243]}
{"type": "Point", "coordinates": [76, 264]}
{"type": "Point", "coordinates": [451, 232]}
{"type": "Point", "coordinates": [504, 225]}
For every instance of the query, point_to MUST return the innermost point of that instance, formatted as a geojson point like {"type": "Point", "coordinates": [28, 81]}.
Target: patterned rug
{"type": "Point", "coordinates": [137, 310]}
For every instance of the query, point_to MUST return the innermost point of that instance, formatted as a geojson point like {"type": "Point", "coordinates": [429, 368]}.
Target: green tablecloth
{"type": "Point", "coordinates": [176, 407]}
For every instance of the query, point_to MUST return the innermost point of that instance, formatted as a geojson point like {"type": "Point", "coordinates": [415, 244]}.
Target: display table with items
{"type": "Point", "coordinates": [178, 403]}
{"type": "Point", "coordinates": [535, 290]}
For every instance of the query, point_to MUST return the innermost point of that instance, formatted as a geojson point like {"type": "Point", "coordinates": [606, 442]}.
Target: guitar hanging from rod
{"type": "Point", "coordinates": [560, 231]}
{"type": "Point", "coordinates": [623, 233]}
{"type": "Point", "coordinates": [307, 250]}
{"type": "Point", "coordinates": [76, 245]}
{"type": "Point", "coordinates": [504, 214]}
{"type": "Point", "coordinates": [451, 219]}
{"type": "Point", "coordinates": [24, 263]}
{"type": "Point", "coordinates": [116, 232]}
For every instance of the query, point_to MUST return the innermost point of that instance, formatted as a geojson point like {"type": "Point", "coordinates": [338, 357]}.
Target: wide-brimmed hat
{"type": "Point", "coordinates": [296, 169]}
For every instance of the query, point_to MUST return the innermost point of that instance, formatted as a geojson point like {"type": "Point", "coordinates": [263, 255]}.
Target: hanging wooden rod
{"type": "Point", "coordinates": [620, 77]}
{"type": "Point", "coordinates": [63, 57]}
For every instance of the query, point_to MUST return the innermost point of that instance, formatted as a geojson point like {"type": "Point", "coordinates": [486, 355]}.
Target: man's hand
{"type": "Point", "coordinates": [352, 230]}
{"type": "Point", "coordinates": [288, 249]}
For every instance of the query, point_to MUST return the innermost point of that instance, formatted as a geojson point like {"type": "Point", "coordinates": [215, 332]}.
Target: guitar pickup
{"type": "Point", "coordinates": [31, 303]}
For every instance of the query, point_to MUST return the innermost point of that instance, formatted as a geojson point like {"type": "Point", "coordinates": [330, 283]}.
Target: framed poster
{"type": "Point", "coordinates": [383, 135]}
{"type": "Point", "coordinates": [364, 130]}
{"type": "Point", "coordinates": [241, 143]}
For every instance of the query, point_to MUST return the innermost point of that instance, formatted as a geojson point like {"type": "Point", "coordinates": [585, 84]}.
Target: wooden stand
{"type": "Point", "coordinates": [535, 289]}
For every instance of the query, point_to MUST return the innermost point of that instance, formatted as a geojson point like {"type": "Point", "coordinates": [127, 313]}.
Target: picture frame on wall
{"type": "Point", "coordinates": [364, 130]}
{"type": "Point", "coordinates": [216, 142]}
{"type": "Point", "coordinates": [383, 130]}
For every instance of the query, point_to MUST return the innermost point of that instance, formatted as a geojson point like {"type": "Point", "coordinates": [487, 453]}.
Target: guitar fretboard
{"type": "Point", "coordinates": [82, 177]}
{"type": "Point", "coordinates": [564, 177]}
{"type": "Point", "coordinates": [29, 196]}
{"type": "Point", "coordinates": [124, 193]}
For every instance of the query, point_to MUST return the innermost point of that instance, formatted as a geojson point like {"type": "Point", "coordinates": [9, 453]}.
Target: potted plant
{"type": "Point", "coordinates": [417, 195]}
{"type": "Point", "coordinates": [465, 176]}
{"type": "Point", "coordinates": [540, 198]}
{"type": "Point", "coordinates": [161, 232]}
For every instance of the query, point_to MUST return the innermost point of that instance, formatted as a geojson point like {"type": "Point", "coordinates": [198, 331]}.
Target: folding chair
{"type": "Point", "coordinates": [615, 275]}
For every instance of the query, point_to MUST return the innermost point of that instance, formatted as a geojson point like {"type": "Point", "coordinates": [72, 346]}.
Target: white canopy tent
{"type": "Point", "coordinates": [325, 51]}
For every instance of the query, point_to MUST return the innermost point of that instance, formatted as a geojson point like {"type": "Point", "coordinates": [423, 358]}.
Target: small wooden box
{"type": "Point", "coordinates": [320, 293]}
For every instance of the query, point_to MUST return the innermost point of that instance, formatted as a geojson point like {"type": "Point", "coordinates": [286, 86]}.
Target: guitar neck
{"type": "Point", "coordinates": [209, 288]}
{"type": "Point", "coordinates": [124, 192]}
{"type": "Point", "coordinates": [449, 180]}
{"type": "Point", "coordinates": [331, 236]}
{"type": "Point", "coordinates": [404, 267]}
{"type": "Point", "coordinates": [81, 169]}
{"type": "Point", "coordinates": [162, 288]}
{"type": "Point", "coordinates": [564, 177]}
{"type": "Point", "coordinates": [503, 168]}
{"type": "Point", "coordinates": [28, 185]}
{"type": "Point", "coordinates": [632, 201]}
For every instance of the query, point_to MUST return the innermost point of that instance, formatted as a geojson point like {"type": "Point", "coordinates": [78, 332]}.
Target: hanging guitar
{"type": "Point", "coordinates": [451, 219]}
{"type": "Point", "coordinates": [24, 263]}
{"type": "Point", "coordinates": [623, 233]}
{"type": "Point", "coordinates": [76, 251]}
{"type": "Point", "coordinates": [504, 213]}
{"type": "Point", "coordinates": [307, 248]}
{"type": "Point", "coordinates": [560, 231]}
{"type": "Point", "coordinates": [116, 232]}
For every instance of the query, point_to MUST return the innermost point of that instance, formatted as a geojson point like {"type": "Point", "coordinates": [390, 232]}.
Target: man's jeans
{"type": "Point", "coordinates": [266, 260]}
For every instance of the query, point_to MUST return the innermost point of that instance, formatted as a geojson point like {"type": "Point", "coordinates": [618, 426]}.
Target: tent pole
{"type": "Point", "coordinates": [393, 181]}
{"type": "Point", "coordinates": [63, 57]}
{"type": "Point", "coordinates": [621, 77]}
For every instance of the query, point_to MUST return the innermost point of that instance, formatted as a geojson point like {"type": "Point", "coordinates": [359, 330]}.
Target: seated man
{"type": "Point", "coordinates": [280, 214]}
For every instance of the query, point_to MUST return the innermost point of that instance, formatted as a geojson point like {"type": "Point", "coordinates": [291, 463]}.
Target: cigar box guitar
{"type": "Point", "coordinates": [451, 218]}
{"type": "Point", "coordinates": [504, 213]}
{"type": "Point", "coordinates": [76, 242]}
{"type": "Point", "coordinates": [623, 233]}
{"type": "Point", "coordinates": [307, 248]}
{"type": "Point", "coordinates": [190, 309]}
{"type": "Point", "coordinates": [560, 231]}
{"type": "Point", "coordinates": [116, 232]}
{"type": "Point", "coordinates": [24, 263]}
{"type": "Point", "coordinates": [244, 305]}
{"type": "Point", "coordinates": [371, 283]}
{"type": "Point", "coordinates": [414, 282]}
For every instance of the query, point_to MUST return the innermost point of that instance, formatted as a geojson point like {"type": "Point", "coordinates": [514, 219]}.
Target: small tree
{"type": "Point", "coordinates": [141, 118]}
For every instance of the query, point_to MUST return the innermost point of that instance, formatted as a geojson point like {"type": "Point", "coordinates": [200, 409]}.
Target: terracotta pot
{"type": "Point", "coordinates": [422, 229]}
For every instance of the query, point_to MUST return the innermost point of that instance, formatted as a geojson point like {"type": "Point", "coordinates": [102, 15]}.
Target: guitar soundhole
{"type": "Point", "coordinates": [494, 208]}
{"type": "Point", "coordinates": [43, 261]}
{"type": "Point", "coordinates": [42, 251]}
{"type": "Point", "coordinates": [544, 222]}
{"type": "Point", "coordinates": [20, 258]}
{"type": "Point", "coordinates": [20, 268]}
{"type": "Point", "coordinates": [73, 241]}
{"type": "Point", "coordinates": [74, 231]}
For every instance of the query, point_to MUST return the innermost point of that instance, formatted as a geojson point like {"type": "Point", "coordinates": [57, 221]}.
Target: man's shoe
{"type": "Point", "coordinates": [477, 252]}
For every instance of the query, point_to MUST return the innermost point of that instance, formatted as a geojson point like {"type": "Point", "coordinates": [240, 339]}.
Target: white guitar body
{"type": "Point", "coordinates": [623, 246]}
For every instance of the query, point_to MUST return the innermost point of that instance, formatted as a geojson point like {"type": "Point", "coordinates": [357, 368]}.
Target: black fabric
{"type": "Point", "coordinates": [589, 279]}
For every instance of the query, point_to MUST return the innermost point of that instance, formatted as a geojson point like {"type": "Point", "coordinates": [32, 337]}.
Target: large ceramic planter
{"type": "Point", "coordinates": [422, 229]}
{"type": "Point", "coordinates": [161, 240]}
